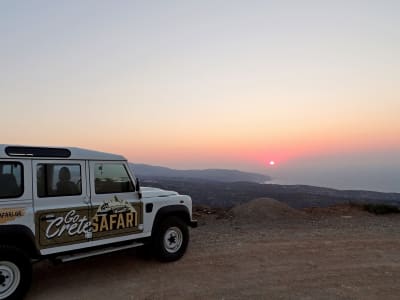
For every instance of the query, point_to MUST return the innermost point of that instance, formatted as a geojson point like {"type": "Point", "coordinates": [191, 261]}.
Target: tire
{"type": "Point", "coordinates": [15, 273]}
{"type": "Point", "coordinates": [171, 239]}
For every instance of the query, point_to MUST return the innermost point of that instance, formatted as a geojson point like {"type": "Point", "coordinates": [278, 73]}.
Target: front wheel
{"type": "Point", "coordinates": [171, 239]}
{"type": "Point", "coordinates": [15, 273]}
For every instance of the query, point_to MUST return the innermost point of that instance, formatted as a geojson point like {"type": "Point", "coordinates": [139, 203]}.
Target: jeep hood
{"type": "Point", "coordinates": [150, 192]}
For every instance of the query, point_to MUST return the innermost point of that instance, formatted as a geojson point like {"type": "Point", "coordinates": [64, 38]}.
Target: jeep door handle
{"type": "Point", "coordinates": [47, 218]}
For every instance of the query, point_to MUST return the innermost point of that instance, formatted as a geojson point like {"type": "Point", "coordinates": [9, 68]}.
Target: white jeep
{"type": "Point", "coordinates": [69, 203]}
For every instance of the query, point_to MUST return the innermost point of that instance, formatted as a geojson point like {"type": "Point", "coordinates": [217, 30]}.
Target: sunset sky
{"type": "Point", "coordinates": [311, 85]}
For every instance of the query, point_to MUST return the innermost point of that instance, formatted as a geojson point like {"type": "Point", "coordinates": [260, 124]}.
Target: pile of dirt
{"type": "Point", "coordinates": [264, 210]}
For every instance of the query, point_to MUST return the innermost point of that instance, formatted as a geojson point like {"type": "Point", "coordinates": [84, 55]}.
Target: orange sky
{"type": "Point", "coordinates": [201, 85]}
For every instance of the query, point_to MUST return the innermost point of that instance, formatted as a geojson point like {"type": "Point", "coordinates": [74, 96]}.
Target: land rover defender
{"type": "Point", "coordinates": [65, 204]}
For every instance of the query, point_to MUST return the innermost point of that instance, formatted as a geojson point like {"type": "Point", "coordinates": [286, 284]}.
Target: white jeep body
{"type": "Point", "coordinates": [99, 211]}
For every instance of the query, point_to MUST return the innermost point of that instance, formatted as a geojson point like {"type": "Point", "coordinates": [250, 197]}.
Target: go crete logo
{"type": "Point", "coordinates": [114, 214]}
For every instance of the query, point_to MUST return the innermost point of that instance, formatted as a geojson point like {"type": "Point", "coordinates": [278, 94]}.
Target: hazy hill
{"type": "Point", "coordinates": [227, 188]}
{"type": "Point", "coordinates": [229, 194]}
{"type": "Point", "coordinates": [149, 172]}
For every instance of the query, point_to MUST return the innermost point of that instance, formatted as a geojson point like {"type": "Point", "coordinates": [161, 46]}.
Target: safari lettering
{"type": "Point", "coordinates": [114, 221]}
{"type": "Point", "coordinates": [74, 224]}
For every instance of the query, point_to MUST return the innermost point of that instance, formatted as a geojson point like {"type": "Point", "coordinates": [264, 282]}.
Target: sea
{"type": "Point", "coordinates": [388, 181]}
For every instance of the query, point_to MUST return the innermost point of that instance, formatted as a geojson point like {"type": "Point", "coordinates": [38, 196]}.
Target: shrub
{"type": "Point", "coordinates": [381, 209]}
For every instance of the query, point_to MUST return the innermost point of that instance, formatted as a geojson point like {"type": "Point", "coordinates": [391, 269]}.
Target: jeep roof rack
{"type": "Point", "coordinates": [70, 153]}
{"type": "Point", "coordinates": [37, 151]}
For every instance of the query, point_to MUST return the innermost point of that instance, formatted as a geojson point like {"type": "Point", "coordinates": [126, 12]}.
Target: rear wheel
{"type": "Point", "coordinates": [15, 273]}
{"type": "Point", "coordinates": [171, 239]}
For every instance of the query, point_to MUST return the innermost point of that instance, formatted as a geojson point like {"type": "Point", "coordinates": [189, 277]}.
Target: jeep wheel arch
{"type": "Point", "coordinates": [179, 211]}
{"type": "Point", "coordinates": [21, 237]}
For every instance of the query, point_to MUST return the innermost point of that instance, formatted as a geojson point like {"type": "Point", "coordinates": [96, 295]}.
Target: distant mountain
{"type": "Point", "coordinates": [149, 172]}
{"type": "Point", "coordinates": [229, 194]}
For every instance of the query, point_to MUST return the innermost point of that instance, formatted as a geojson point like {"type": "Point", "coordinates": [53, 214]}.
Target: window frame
{"type": "Point", "coordinates": [22, 189]}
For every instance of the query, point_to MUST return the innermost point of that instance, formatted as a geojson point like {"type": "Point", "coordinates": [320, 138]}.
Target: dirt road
{"type": "Point", "coordinates": [334, 255]}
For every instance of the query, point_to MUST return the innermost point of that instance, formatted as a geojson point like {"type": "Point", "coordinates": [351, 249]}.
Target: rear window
{"type": "Point", "coordinates": [11, 180]}
{"type": "Point", "coordinates": [37, 152]}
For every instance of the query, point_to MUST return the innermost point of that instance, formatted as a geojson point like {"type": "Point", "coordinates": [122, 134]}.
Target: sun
{"type": "Point", "coordinates": [271, 163]}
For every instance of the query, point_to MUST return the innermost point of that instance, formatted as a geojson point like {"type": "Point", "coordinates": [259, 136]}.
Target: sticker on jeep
{"type": "Point", "coordinates": [72, 224]}
{"type": "Point", "coordinates": [112, 217]}
{"type": "Point", "coordinates": [114, 214]}
{"type": "Point", "coordinates": [10, 214]}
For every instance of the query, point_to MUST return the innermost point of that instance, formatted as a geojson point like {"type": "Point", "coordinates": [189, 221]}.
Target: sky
{"type": "Point", "coordinates": [312, 85]}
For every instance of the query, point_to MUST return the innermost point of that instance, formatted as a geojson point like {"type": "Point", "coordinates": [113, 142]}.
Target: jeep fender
{"type": "Point", "coordinates": [180, 211]}
{"type": "Point", "coordinates": [20, 236]}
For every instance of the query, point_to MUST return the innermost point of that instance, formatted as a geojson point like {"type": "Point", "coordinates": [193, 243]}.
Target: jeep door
{"type": "Point", "coordinates": [116, 208]}
{"type": "Point", "coordinates": [61, 202]}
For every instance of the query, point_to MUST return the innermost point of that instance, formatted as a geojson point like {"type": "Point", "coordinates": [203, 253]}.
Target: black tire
{"type": "Point", "coordinates": [14, 263]}
{"type": "Point", "coordinates": [171, 239]}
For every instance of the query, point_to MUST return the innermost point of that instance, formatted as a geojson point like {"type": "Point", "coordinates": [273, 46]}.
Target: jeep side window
{"type": "Point", "coordinates": [111, 178]}
{"type": "Point", "coordinates": [11, 181]}
{"type": "Point", "coordinates": [55, 180]}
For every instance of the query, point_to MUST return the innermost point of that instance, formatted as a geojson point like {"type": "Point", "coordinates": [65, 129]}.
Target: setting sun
{"type": "Point", "coordinates": [272, 163]}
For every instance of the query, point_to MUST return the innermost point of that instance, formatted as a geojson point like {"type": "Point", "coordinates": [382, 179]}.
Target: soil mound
{"type": "Point", "coordinates": [265, 209]}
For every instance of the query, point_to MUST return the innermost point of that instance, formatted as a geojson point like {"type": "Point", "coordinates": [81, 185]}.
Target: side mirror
{"type": "Point", "coordinates": [137, 185]}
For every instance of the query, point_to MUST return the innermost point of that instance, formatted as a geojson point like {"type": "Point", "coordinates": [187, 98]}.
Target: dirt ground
{"type": "Point", "coordinates": [340, 253]}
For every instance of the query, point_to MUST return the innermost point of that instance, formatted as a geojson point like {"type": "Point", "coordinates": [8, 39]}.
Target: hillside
{"type": "Point", "coordinates": [229, 194]}
{"type": "Point", "coordinates": [221, 175]}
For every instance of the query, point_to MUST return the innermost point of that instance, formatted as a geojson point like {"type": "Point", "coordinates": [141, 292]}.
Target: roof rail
{"type": "Point", "coordinates": [37, 151]}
